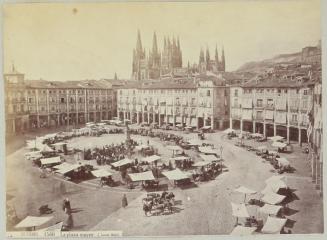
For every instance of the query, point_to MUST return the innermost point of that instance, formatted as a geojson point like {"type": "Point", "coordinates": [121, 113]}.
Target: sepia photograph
{"type": "Point", "coordinates": [162, 119]}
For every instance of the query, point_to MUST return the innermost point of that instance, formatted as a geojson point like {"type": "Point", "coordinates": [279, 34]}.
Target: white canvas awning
{"type": "Point", "coordinates": [67, 168]}
{"type": "Point", "coordinates": [207, 150]}
{"type": "Point", "coordinates": [274, 225]}
{"type": "Point", "coordinates": [245, 190]}
{"type": "Point", "coordinates": [175, 175]}
{"type": "Point", "coordinates": [229, 130]}
{"type": "Point", "coordinates": [49, 136]}
{"type": "Point", "coordinates": [151, 159]}
{"type": "Point", "coordinates": [101, 173]}
{"type": "Point", "coordinates": [206, 127]}
{"type": "Point", "coordinates": [201, 163]}
{"type": "Point", "coordinates": [283, 162]}
{"type": "Point", "coordinates": [276, 138]}
{"type": "Point", "coordinates": [180, 158]}
{"type": "Point", "coordinates": [272, 152]}
{"type": "Point", "coordinates": [262, 148]}
{"type": "Point", "coordinates": [239, 210]}
{"type": "Point", "coordinates": [63, 165]}
{"type": "Point", "coordinates": [143, 176]}
{"type": "Point", "coordinates": [122, 162]}
{"type": "Point", "coordinates": [279, 144]}
{"type": "Point", "coordinates": [175, 148]}
{"type": "Point", "coordinates": [52, 160]}
{"type": "Point", "coordinates": [141, 147]}
{"type": "Point", "coordinates": [256, 135]}
{"type": "Point", "coordinates": [59, 144]}
{"type": "Point", "coordinates": [56, 227]}
{"type": "Point", "coordinates": [209, 158]}
{"type": "Point", "coordinates": [195, 142]}
{"type": "Point", "coordinates": [31, 221]}
{"type": "Point", "coordinates": [273, 198]}
{"type": "Point", "coordinates": [275, 178]}
{"type": "Point", "coordinates": [242, 231]}
{"type": "Point", "coordinates": [270, 209]}
{"type": "Point", "coordinates": [46, 148]}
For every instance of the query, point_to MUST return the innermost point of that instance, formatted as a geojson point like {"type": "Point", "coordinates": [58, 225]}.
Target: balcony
{"type": "Point", "coordinates": [294, 123]}
{"type": "Point", "coordinates": [258, 118]}
{"type": "Point", "coordinates": [270, 107]}
{"type": "Point", "coordinates": [260, 106]}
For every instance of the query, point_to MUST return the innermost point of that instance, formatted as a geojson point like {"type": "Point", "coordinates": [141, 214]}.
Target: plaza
{"type": "Point", "coordinates": [99, 208]}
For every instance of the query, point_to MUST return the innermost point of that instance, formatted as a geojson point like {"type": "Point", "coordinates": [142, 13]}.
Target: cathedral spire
{"type": "Point", "coordinates": [154, 45]}
{"type": "Point", "coordinates": [216, 55]}
{"type": "Point", "coordinates": [178, 45]}
{"type": "Point", "coordinates": [223, 59]}
{"type": "Point", "coordinates": [139, 47]}
{"type": "Point", "coordinates": [201, 58]}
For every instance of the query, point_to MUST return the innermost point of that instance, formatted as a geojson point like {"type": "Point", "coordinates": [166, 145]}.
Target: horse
{"type": "Point", "coordinates": [147, 207]}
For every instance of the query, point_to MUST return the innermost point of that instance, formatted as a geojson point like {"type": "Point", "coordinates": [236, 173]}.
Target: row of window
{"type": "Point", "coordinates": [261, 90]}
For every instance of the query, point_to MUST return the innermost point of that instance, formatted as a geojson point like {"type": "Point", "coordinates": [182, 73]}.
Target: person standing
{"type": "Point", "coordinates": [124, 201]}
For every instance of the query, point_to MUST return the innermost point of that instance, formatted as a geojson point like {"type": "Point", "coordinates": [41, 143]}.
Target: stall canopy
{"type": "Point", "coordinates": [67, 168]}
{"type": "Point", "coordinates": [201, 163]}
{"type": "Point", "coordinates": [31, 155]}
{"type": "Point", "coordinates": [273, 225]}
{"type": "Point", "coordinates": [270, 209]}
{"type": "Point", "coordinates": [122, 162]}
{"type": "Point", "coordinates": [175, 148]}
{"type": "Point", "coordinates": [279, 144]}
{"type": "Point", "coordinates": [63, 165]}
{"type": "Point", "coordinates": [256, 135]}
{"type": "Point", "coordinates": [245, 190]}
{"type": "Point", "coordinates": [260, 148]}
{"type": "Point", "coordinates": [151, 159]}
{"type": "Point", "coordinates": [283, 162]}
{"type": "Point", "coordinates": [271, 152]}
{"type": "Point", "coordinates": [239, 210]}
{"type": "Point", "coordinates": [53, 160]}
{"type": "Point", "coordinates": [209, 158]}
{"type": "Point", "coordinates": [46, 148]}
{"type": "Point", "coordinates": [141, 147]}
{"type": "Point", "coordinates": [206, 127]}
{"type": "Point", "coordinates": [207, 150]}
{"type": "Point", "coordinates": [242, 231]}
{"type": "Point", "coordinates": [275, 178]}
{"type": "Point", "coordinates": [59, 144]}
{"type": "Point", "coordinates": [273, 198]}
{"type": "Point", "coordinates": [49, 136]}
{"type": "Point", "coordinates": [143, 176]}
{"type": "Point", "coordinates": [31, 221]}
{"type": "Point", "coordinates": [229, 130]}
{"type": "Point", "coordinates": [180, 158]}
{"type": "Point", "coordinates": [56, 227]}
{"type": "Point", "coordinates": [195, 142]}
{"type": "Point", "coordinates": [175, 175]}
{"type": "Point", "coordinates": [276, 138]}
{"type": "Point", "coordinates": [101, 173]}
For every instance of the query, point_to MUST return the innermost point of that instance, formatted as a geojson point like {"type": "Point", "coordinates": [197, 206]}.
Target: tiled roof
{"type": "Point", "coordinates": [276, 83]}
{"type": "Point", "coordinates": [94, 84]}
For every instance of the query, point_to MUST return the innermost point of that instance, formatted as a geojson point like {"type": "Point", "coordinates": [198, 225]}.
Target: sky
{"type": "Point", "coordinates": [92, 41]}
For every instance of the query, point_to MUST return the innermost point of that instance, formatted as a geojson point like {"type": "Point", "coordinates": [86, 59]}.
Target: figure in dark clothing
{"type": "Point", "coordinates": [124, 201]}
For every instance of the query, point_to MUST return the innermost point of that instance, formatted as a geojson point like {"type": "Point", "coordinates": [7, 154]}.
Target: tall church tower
{"type": "Point", "coordinates": [154, 59]}
{"type": "Point", "coordinates": [139, 60]}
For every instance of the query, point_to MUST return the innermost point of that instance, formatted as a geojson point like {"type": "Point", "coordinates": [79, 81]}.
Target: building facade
{"type": "Point", "coordinates": [315, 136]}
{"type": "Point", "coordinates": [194, 102]}
{"type": "Point", "coordinates": [272, 108]}
{"type": "Point", "coordinates": [39, 103]}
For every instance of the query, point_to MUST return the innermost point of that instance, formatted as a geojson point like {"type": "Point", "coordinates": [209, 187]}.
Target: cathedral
{"type": "Point", "coordinates": [156, 65]}
{"type": "Point", "coordinates": [211, 65]}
